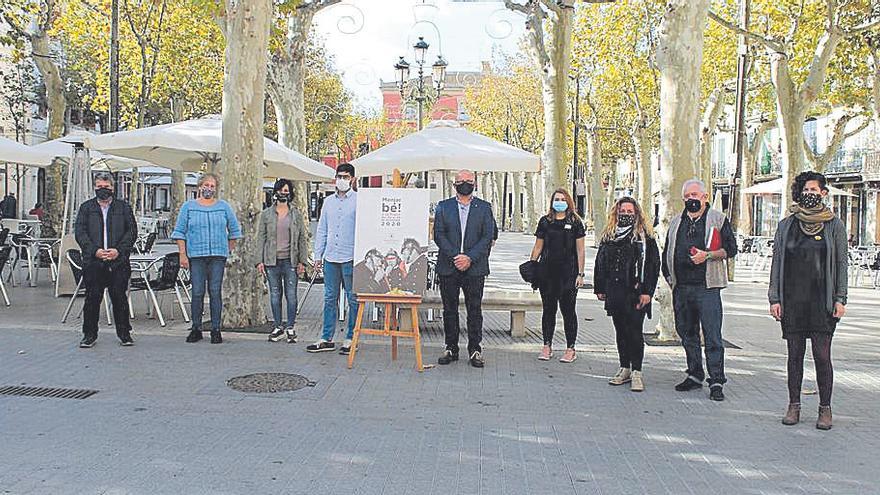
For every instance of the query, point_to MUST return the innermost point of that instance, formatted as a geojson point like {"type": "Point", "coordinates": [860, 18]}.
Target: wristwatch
{"type": "Point", "coordinates": [580, 274]}
{"type": "Point", "coordinates": [708, 255]}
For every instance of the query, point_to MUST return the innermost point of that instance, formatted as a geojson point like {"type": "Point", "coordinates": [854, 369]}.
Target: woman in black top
{"type": "Point", "coordinates": [808, 288]}
{"type": "Point", "coordinates": [627, 269]}
{"type": "Point", "coordinates": [559, 243]}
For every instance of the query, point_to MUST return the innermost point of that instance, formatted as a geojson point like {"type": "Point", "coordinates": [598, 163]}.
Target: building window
{"type": "Point", "coordinates": [810, 134]}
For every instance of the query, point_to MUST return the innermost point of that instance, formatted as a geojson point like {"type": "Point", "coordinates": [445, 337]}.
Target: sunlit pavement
{"type": "Point", "coordinates": [164, 421]}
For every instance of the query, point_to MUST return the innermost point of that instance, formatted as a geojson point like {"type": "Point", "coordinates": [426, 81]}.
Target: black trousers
{"type": "Point", "coordinates": [450, 288]}
{"type": "Point", "coordinates": [564, 299]}
{"type": "Point", "coordinates": [630, 340]}
{"type": "Point", "coordinates": [97, 277]}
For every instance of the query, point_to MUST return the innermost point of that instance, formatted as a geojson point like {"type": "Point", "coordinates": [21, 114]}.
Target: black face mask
{"type": "Point", "coordinates": [626, 220]}
{"type": "Point", "coordinates": [464, 188]}
{"type": "Point", "coordinates": [693, 205]}
{"type": "Point", "coordinates": [103, 193]}
{"type": "Point", "coordinates": [282, 198]}
{"type": "Point", "coordinates": [810, 200]}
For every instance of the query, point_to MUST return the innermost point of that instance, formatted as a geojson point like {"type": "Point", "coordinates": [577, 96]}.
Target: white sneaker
{"type": "Point", "coordinates": [623, 376]}
{"type": "Point", "coordinates": [637, 384]}
{"type": "Point", "coordinates": [321, 346]}
{"type": "Point", "coordinates": [346, 347]}
{"type": "Point", "coordinates": [277, 334]}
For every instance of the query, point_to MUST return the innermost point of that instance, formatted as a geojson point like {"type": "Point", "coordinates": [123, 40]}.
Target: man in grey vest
{"type": "Point", "coordinates": [698, 244]}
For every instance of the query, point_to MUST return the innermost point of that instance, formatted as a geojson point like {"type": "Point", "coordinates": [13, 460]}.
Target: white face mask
{"type": "Point", "coordinates": [343, 185]}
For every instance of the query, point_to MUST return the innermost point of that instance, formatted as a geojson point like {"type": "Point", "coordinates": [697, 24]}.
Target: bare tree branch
{"type": "Point", "coordinates": [861, 28]}
{"type": "Point", "coordinates": [523, 9]}
{"type": "Point", "coordinates": [535, 16]}
{"type": "Point", "coordinates": [838, 136]}
{"type": "Point", "coordinates": [819, 66]}
{"type": "Point", "coordinates": [860, 128]}
{"type": "Point", "coordinates": [767, 42]}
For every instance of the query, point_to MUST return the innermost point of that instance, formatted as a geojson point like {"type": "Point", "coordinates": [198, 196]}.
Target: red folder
{"type": "Point", "coordinates": [714, 243]}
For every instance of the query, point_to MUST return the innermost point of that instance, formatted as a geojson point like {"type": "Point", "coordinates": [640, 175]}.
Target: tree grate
{"type": "Point", "coordinates": [269, 383]}
{"type": "Point", "coordinates": [52, 392]}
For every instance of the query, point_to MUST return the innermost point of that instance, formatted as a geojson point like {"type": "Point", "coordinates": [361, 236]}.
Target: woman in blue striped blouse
{"type": "Point", "coordinates": [206, 232]}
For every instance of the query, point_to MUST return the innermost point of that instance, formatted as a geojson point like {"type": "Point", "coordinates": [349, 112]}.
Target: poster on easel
{"type": "Point", "coordinates": [391, 241]}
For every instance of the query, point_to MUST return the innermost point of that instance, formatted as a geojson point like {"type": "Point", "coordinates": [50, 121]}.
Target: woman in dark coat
{"type": "Point", "coordinates": [808, 288]}
{"type": "Point", "coordinates": [559, 244]}
{"type": "Point", "coordinates": [627, 269]}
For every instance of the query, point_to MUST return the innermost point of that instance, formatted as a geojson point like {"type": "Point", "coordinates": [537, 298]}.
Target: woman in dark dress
{"type": "Point", "coordinates": [808, 288]}
{"type": "Point", "coordinates": [626, 273]}
{"type": "Point", "coordinates": [559, 244]}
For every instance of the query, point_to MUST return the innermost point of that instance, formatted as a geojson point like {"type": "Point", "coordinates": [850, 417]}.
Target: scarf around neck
{"type": "Point", "coordinates": [622, 233]}
{"type": "Point", "coordinates": [811, 220]}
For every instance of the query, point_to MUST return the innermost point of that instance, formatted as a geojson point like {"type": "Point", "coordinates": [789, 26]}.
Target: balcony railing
{"type": "Point", "coordinates": [871, 166]}
{"type": "Point", "coordinates": [720, 170]}
{"type": "Point", "coordinates": [847, 161]}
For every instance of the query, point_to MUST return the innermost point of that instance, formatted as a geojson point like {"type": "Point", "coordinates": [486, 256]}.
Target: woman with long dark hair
{"type": "Point", "coordinates": [559, 244]}
{"type": "Point", "coordinates": [808, 288]}
{"type": "Point", "coordinates": [626, 273]}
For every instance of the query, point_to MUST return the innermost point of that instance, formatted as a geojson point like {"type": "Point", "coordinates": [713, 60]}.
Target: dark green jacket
{"type": "Point", "coordinates": [267, 237]}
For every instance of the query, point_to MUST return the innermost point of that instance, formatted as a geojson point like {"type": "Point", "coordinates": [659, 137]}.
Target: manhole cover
{"type": "Point", "coordinates": [268, 383]}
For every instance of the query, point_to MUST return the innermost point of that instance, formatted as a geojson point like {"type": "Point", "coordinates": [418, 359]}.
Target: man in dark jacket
{"type": "Point", "coordinates": [698, 244]}
{"type": "Point", "coordinates": [105, 231]}
{"type": "Point", "coordinates": [9, 206]}
{"type": "Point", "coordinates": [463, 230]}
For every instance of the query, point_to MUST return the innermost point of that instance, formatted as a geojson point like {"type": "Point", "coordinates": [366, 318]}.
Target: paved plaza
{"type": "Point", "coordinates": [164, 421]}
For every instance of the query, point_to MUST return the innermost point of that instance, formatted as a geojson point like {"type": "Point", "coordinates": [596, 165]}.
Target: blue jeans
{"type": "Point", "coordinates": [207, 271]}
{"type": "Point", "coordinates": [696, 306]}
{"type": "Point", "coordinates": [282, 283]}
{"type": "Point", "coordinates": [334, 275]}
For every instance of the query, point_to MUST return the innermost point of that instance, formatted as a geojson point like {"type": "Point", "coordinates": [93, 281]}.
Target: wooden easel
{"type": "Point", "coordinates": [391, 327]}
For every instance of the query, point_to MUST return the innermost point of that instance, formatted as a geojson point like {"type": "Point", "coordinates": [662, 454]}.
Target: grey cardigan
{"type": "Point", "coordinates": [267, 238]}
{"type": "Point", "coordinates": [836, 262]}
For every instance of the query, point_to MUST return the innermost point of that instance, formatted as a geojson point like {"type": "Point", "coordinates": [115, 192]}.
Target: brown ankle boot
{"type": "Point", "coordinates": [824, 421]}
{"type": "Point", "coordinates": [793, 416]}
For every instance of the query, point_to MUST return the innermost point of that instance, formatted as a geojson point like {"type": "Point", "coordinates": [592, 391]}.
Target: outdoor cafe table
{"type": "Point", "coordinates": [32, 248]}
{"type": "Point", "coordinates": [20, 225]}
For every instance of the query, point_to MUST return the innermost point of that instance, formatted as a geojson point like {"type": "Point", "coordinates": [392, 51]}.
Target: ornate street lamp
{"type": "Point", "coordinates": [439, 74]}
{"type": "Point", "coordinates": [418, 92]}
{"type": "Point", "coordinates": [421, 50]}
{"type": "Point", "coordinates": [402, 70]}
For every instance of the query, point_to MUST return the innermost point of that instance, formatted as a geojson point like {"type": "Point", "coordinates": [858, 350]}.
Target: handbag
{"type": "Point", "coordinates": [529, 271]}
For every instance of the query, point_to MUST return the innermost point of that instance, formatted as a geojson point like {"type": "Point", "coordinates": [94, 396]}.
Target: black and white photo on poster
{"type": "Point", "coordinates": [391, 241]}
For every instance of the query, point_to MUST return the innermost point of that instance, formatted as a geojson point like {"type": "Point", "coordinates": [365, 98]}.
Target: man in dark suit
{"type": "Point", "coordinates": [105, 231]}
{"type": "Point", "coordinates": [463, 230]}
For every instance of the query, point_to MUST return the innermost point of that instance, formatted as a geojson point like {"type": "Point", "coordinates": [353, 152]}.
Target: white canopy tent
{"type": "Point", "coordinates": [445, 145]}
{"type": "Point", "coordinates": [194, 144]}
{"type": "Point", "coordinates": [775, 186]}
{"type": "Point", "coordinates": [15, 152]}
{"type": "Point", "coordinates": [63, 149]}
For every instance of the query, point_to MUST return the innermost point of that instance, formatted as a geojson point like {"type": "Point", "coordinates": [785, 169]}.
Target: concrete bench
{"type": "Point", "coordinates": [517, 302]}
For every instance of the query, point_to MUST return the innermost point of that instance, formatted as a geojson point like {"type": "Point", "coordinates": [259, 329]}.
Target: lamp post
{"type": "Point", "coordinates": [438, 77]}
{"type": "Point", "coordinates": [419, 93]}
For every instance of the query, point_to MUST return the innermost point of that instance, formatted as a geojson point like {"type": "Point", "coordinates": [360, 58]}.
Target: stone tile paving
{"type": "Point", "coordinates": [165, 422]}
